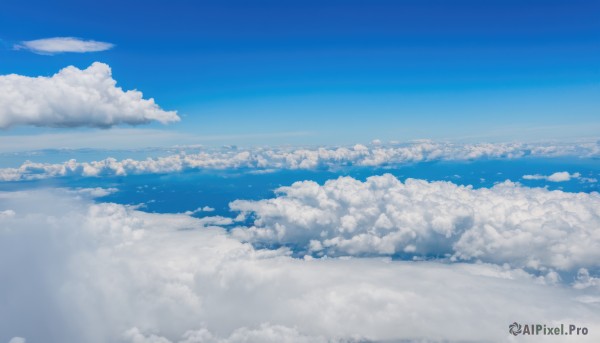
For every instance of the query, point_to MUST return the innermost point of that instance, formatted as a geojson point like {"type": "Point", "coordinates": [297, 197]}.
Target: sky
{"type": "Point", "coordinates": [333, 72]}
{"type": "Point", "coordinates": [299, 171]}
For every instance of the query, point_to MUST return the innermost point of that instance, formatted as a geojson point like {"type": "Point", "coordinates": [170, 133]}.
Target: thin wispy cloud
{"type": "Point", "coordinates": [55, 45]}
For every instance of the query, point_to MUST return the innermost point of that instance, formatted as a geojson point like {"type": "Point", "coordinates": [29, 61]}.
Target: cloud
{"type": "Point", "coordinates": [101, 272]}
{"type": "Point", "coordinates": [556, 177]}
{"type": "Point", "coordinates": [266, 333]}
{"type": "Point", "coordinates": [200, 209]}
{"type": "Point", "coordinates": [63, 44]}
{"type": "Point", "coordinates": [95, 192]}
{"type": "Point", "coordinates": [563, 176]}
{"type": "Point", "coordinates": [73, 98]}
{"type": "Point", "coordinates": [323, 158]}
{"type": "Point", "coordinates": [7, 213]}
{"type": "Point", "coordinates": [525, 227]}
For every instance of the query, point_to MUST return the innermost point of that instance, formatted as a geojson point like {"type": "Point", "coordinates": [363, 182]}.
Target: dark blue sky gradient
{"type": "Point", "coordinates": [247, 66]}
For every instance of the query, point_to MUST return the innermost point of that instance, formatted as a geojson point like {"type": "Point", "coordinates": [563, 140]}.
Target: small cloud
{"type": "Point", "coordinates": [199, 209]}
{"type": "Point", "coordinates": [534, 177]}
{"type": "Point", "coordinates": [97, 192]}
{"type": "Point", "coordinates": [262, 171]}
{"type": "Point", "coordinates": [556, 177]}
{"type": "Point", "coordinates": [7, 214]}
{"type": "Point", "coordinates": [562, 176]}
{"type": "Point", "coordinates": [49, 46]}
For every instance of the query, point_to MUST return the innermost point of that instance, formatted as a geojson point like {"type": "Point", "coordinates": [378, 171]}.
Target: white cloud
{"type": "Point", "coordinates": [534, 177]}
{"type": "Point", "coordinates": [556, 177]}
{"type": "Point", "coordinates": [7, 214]}
{"type": "Point", "coordinates": [563, 176]}
{"type": "Point", "coordinates": [75, 97]}
{"type": "Point", "coordinates": [63, 44]}
{"type": "Point", "coordinates": [95, 192]}
{"type": "Point", "coordinates": [584, 280]}
{"type": "Point", "coordinates": [268, 159]}
{"type": "Point", "coordinates": [525, 227]}
{"type": "Point", "coordinates": [199, 209]}
{"type": "Point", "coordinates": [109, 273]}
{"type": "Point", "coordinates": [266, 333]}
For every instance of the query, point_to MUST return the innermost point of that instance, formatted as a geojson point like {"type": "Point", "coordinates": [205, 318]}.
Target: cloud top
{"type": "Point", "coordinates": [525, 227]}
{"type": "Point", "coordinates": [74, 97]}
{"type": "Point", "coordinates": [63, 44]}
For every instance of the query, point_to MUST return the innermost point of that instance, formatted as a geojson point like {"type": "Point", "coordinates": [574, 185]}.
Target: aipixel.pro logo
{"type": "Point", "coordinates": [516, 329]}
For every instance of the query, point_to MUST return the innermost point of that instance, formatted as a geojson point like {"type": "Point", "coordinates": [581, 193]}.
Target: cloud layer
{"type": "Point", "coordinates": [63, 44]}
{"type": "Point", "coordinates": [75, 271]}
{"type": "Point", "coordinates": [266, 159]}
{"type": "Point", "coordinates": [75, 97]}
{"type": "Point", "coordinates": [525, 227]}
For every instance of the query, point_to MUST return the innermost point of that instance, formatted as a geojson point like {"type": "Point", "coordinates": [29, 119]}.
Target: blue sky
{"type": "Point", "coordinates": [335, 72]}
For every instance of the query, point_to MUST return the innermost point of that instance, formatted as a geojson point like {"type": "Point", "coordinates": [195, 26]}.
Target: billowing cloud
{"type": "Point", "coordinates": [63, 44]}
{"type": "Point", "coordinates": [75, 97]}
{"type": "Point", "coordinates": [556, 177]}
{"type": "Point", "coordinates": [525, 227]}
{"type": "Point", "coordinates": [76, 271]}
{"type": "Point", "coordinates": [269, 159]}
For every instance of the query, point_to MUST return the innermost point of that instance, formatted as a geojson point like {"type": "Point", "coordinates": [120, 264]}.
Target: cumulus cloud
{"type": "Point", "coordinates": [63, 44]}
{"type": "Point", "coordinates": [556, 177]}
{"type": "Point", "coordinates": [77, 271]}
{"type": "Point", "coordinates": [264, 160]}
{"type": "Point", "coordinates": [74, 97]}
{"type": "Point", "coordinates": [526, 227]}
